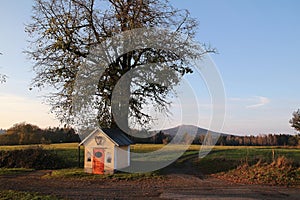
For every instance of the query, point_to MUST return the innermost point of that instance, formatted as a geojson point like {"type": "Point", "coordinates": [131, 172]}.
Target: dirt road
{"type": "Point", "coordinates": [172, 186]}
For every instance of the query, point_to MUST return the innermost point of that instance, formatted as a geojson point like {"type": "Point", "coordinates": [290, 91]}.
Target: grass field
{"type": "Point", "coordinates": [221, 162]}
{"type": "Point", "coordinates": [16, 195]}
{"type": "Point", "coordinates": [232, 153]}
{"type": "Point", "coordinates": [221, 158]}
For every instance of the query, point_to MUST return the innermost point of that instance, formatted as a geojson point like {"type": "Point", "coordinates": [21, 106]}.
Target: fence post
{"type": "Point", "coordinates": [79, 156]}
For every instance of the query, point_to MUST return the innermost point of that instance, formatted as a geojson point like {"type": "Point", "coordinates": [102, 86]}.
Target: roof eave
{"type": "Point", "coordinates": [86, 138]}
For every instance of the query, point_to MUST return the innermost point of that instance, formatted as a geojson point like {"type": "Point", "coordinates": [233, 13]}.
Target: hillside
{"type": "Point", "coordinates": [190, 129]}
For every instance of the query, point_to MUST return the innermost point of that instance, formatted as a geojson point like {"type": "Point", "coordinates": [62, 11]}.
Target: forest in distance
{"type": "Point", "coordinates": [26, 134]}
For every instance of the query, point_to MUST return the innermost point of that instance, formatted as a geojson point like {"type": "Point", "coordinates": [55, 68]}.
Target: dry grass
{"type": "Point", "coordinates": [281, 171]}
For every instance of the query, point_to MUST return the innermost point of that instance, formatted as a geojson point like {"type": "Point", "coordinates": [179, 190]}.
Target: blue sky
{"type": "Point", "coordinates": [259, 61]}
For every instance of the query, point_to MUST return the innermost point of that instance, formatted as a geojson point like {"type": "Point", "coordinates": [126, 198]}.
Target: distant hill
{"type": "Point", "coordinates": [2, 131]}
{"type": "Point", "coordinates": [190, 129]}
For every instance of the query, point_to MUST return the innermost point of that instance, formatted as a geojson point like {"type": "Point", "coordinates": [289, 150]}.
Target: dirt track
{"type": "Point", "coordinates": [173, 186]}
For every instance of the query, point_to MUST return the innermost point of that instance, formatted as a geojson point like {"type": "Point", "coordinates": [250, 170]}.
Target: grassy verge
{"type": "Point", "coordinates": [16, 195]}
{"type": "Point", "coordinates": [79, 174]}
{"type": "Point", "coordinates": [281, 171]}
{"type": "Point", "coordinates": [221, 159]}
{"type": "Point", "coordinates": [45, 146]}
{"type": "Point", "coordinates": [13, 171]}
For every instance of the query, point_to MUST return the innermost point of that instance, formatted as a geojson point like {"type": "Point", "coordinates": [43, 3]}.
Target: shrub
{"type": "Point", "coordinates": [281, 171]}
{"type": "Point", "coordinates": [31, 158]}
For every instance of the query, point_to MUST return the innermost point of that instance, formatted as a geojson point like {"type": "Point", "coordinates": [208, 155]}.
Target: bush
{"type": "Point", "coordinates": [31, 158]}
{"type": "Point", "coordinates": [281, 171]}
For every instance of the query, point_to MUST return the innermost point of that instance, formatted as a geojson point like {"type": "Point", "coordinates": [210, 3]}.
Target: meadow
{"type": "Point", "coordinates": [221, 162]}
{"type": "Point", "coordinates": [220, 159]}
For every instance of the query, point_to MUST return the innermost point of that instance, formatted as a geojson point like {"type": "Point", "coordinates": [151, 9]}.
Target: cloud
{"type": "Point", "coordinates": [261, 102]}
{"type": "Point", "coordinates": [235, 99]}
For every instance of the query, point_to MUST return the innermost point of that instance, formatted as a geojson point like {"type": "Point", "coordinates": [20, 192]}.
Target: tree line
{"type": "Point", "coordinates": [24, 134]}
{"type": "Point", "coordinates": [226, 140]}
{"type": "Point", "coordinates": [260, 140]}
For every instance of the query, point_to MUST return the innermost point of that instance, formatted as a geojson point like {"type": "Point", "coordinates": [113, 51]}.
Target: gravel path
{"type": "Point", "coordinates": [173, 186]}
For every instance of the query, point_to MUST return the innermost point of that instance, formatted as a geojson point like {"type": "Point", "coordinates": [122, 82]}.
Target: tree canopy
{"type": "Point", "coordinates": [25, 133]}
{"type": "Point", "coordinates": [295, 121]}
{"type": "Point", "coordinates": [64, 32]}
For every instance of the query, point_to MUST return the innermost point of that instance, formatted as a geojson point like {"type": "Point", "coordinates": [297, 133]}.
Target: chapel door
{"type": "Point", "coordinates": [98, 161]}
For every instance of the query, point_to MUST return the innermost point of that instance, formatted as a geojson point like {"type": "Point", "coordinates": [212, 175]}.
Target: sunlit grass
{"type": "Point", "coordinates": [45, 146]}
{"type": "Point", "coordinates": [79, 174]}
{"type": "Point", "coordinates": [230, 156]}
{"type": "Point", "coordinates": [17, 195]}
{"type": "Point", "coordinates": [13, 171]}
{"type": "Point", "coordinates": [154, 147]}
{"type": "Point", "coordinates": [281, 171]}
{"type": "Point", "coordinates": [62, 146]}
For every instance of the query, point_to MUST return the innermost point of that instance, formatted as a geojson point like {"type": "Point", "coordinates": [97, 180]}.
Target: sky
{"type": "Point", "coordinates": [258, 59]}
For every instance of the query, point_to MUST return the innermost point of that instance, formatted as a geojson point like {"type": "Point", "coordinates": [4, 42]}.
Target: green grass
{"type": "Point", "coordinates": [79, 174]}
{"type": "Point", "coordinates": [16, 195]}
{"type": "Point", "coordinates": [225, 158]}
{"type": "Point", "coordinates": [71, 155]}
{"type": "Point", "coordinates": [68, 151]}
{"type": "Point", "coordinates": [220, 159]}
{"type": "Point", "coordinates": [12, 171]}
{"type": "Point", "coordinates": [142, 148]}
{"type": "Point", "coordinates": [45, 146]}
{"type": "Point", "coordinates": [234, 163]}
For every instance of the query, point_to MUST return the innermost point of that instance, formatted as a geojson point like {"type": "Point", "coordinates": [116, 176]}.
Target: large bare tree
{"type": "Point", "coordinates": [64, 32]}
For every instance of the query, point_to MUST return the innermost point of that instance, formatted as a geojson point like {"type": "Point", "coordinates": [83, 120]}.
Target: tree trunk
{"type": "Point", "coordinates": [120, 104]}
